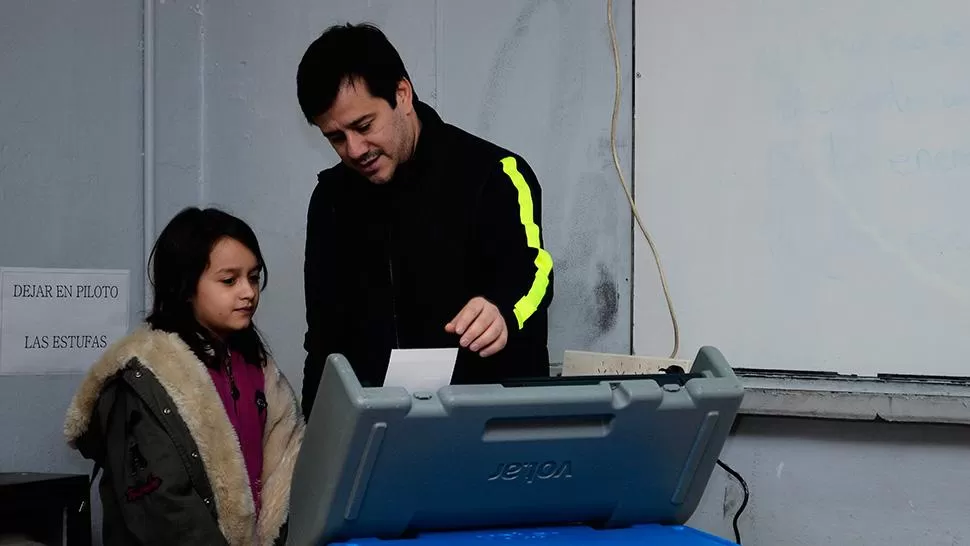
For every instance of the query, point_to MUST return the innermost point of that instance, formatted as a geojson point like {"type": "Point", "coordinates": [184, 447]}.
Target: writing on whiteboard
{"type": "Point", "coordinates": [867, 74]}
{"type": "Point", "coordinates": [925, 161]}
{"type": "Point", "coordinates": [857, 46]}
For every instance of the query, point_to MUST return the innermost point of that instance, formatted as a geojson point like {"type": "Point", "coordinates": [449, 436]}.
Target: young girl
{"type": "Point", "coordinates": [196, 429]}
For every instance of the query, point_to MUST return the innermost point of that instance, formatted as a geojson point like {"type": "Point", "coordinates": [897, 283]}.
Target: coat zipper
{"type": "Point", "coordinates": [390, 270]}
{"type": "Point", "coordinates": [233, 389]}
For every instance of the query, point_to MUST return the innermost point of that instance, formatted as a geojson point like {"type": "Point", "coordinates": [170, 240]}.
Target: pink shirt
{"type": "Point", "coordinates": [247, 413]}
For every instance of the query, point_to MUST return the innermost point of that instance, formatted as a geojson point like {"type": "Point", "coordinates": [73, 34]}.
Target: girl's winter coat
{"type": "Point", "coordinates": [175, 473]}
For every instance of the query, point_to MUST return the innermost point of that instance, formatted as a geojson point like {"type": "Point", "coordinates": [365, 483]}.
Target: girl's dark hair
{"type": "Point", "coordinates": [177, 261]}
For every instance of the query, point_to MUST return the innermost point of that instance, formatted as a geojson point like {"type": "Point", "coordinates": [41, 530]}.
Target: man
{"type": "Point", "coordinates": [422, 236]}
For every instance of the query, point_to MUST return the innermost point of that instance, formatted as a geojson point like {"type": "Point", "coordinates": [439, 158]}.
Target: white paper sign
{"type": "Point", "coordinates": [424, 370]}
{"type": "Point", "coordinates": [59, 320]}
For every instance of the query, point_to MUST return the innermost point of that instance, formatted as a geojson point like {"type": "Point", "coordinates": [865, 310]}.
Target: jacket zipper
{"type": "Point", "coordinates": [390, 270]}
{"type": "Point", "coordinates": [233, 389]}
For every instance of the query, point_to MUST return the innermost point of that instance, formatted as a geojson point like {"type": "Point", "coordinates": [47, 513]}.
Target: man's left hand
{"type": "Point", "coordinates": [481, 327]}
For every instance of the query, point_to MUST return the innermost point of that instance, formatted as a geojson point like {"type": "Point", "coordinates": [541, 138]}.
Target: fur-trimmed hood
{"type": "Point", "coordinates": [187, 382]}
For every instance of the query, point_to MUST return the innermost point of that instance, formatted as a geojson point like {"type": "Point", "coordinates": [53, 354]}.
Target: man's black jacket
{"type": "Point", "coordinates": [388, 266]}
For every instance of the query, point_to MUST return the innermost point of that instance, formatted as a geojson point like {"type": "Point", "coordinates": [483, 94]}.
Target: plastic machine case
{"type": "Point", "coordinates": [383, 463]}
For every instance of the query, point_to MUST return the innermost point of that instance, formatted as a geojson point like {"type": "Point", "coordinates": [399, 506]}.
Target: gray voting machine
{"type": "Point", "coordinates": [597, 450]}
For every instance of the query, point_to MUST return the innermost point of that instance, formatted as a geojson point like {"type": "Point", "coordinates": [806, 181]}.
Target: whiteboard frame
{"type": "Point", "coordinates": [818, 395]}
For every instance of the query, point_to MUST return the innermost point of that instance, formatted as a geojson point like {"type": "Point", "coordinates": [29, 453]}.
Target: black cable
{"type": "Point", "coordinates": [744, 502]}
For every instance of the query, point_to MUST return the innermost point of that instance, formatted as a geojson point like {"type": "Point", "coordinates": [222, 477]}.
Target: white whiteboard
{"type": "Point", "coordinates": [804, 167]}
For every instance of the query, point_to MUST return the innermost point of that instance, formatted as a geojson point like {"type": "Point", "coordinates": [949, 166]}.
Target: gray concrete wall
{"type": "Point", "coordinates": [843, 483]}
{"type": "Point", "coordinates": [70, 180]}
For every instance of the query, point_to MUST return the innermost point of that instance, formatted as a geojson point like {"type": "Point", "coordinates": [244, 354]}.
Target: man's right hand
{"type": "Point", "coordinates": [481, 327]}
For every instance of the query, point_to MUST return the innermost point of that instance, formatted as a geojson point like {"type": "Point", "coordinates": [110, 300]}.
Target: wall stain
{"type": "Point", "coordinates": [729, 502]}
{"type": "Point", "coordinates": [607, 300]}
{"type": "Point", "coordinates": [502, 65]}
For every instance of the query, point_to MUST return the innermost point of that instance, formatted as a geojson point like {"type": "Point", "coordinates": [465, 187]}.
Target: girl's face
{"type": "Point", "coordinates": [228, 290]}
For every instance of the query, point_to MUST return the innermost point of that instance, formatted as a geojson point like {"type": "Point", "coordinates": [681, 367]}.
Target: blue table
{"type": "Point", "coordinates": [640, 535]}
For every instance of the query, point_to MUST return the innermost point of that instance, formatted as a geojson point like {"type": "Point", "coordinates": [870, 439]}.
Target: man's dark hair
{"type": "Point", "coordinates": [358, 53]}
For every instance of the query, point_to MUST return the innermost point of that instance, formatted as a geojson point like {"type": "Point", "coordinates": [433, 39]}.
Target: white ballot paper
{"type": "Point", "coordinates": [425, 370]}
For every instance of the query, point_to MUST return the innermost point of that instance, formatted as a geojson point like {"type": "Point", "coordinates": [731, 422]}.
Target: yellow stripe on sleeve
{"type": "Point", "coordinates": [527, 304]}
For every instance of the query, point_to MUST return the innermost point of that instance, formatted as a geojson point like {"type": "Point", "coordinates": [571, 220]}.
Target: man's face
{"type": "Point", "coordinates": [368, 135]}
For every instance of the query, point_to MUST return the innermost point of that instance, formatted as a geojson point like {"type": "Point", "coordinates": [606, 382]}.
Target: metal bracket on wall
{"type": "Point", "coordinates": [812, 395]}
{"type": "Point", "coordinates": [909, 399]}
